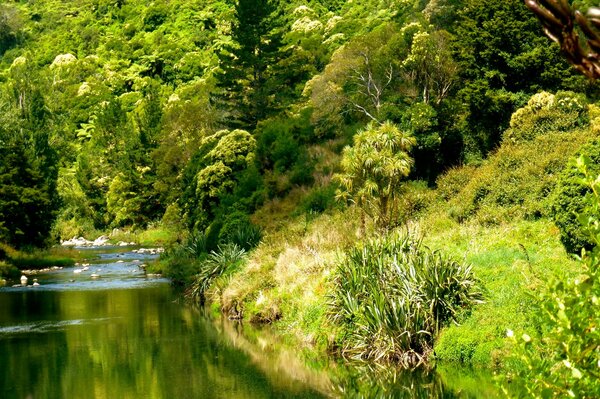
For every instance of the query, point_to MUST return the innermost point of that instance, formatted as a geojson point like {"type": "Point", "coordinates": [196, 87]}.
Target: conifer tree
{"type": "Point", "coordinates": [28, 171]}
{"type": "Point", "coordinates": [248, 64]}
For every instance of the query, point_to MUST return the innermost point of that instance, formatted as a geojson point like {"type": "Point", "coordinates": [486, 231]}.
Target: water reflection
{"type": "Point", "coordinates": [132, 343]}
{"type": "Point", "coordinates": [124, 336]}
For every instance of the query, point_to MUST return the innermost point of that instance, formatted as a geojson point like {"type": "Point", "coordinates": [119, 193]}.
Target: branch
{"type": "Point", "coordinates": [364, 111]}
{"type": "Point", "coordinates": [560, 20]}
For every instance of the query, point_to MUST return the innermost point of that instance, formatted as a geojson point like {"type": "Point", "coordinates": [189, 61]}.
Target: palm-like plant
{"type": "Point", "coordinates": [374, 167]}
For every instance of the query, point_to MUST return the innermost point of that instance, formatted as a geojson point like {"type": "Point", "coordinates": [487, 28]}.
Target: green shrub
{"type": "Point", "coordinates": [319, 199]}
{"type": "Point", "coordinates": [178, 265]}
{"type": "Point", "coordinates": [453, 181]}
{"type": "Point", "coordinates": [546, 112]}
{"type": "Point", "coordinates": [8, 271]}
{"type": "Point", "coordinates": [301, 173]}
{"type": "Point", "coordinates": [514, 182]}
{"type": "Point", "coordinates": [238, 229]}
{"type": "Point", "coordinates": [562, 358]}
{"type": "Point", "coordinates": [568, 200]}
{"type": "Point", "coordinates": [212, 271]}
{"type": "Point", "coordinates": [415, 199]}
{"type": "Point", "coordinates": [392, 296]}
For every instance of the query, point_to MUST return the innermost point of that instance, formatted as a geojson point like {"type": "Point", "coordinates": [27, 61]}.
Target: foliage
{"type": "Point", "coordinates": [319, 199]}
{"type": "Point", "coordinates": [217, 266]}
{"type": "Point", "coordinates": [373, 168]}
{"type": "Point", "coordinates": [29, 199]}
{"type": "Point", "coordinates": [392, 296]}
{"type": "Point", "coordinates": [213, 173]}
{"type": "Point", "coordinates": [546, 112]}
{"type": "Point", "coordinates": [516, 181]}
{"type": "Point", "coordinates": [569, 199]}
{"type": "Point", "coordinates": [503, 61]}
{"type": "Point", "coordinates": [247, 62]}
{"type": "Point", "coordinates": [562, 360]}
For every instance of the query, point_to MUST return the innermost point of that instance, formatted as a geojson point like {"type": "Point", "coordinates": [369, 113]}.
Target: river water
{"type": "Point", "coordinates": [124, 335]}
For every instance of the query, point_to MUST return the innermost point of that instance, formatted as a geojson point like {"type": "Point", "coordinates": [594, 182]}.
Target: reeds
{"type": "Point", "coordinates": [215, 269]}
{"type": "Point", "coordinates": [393, 295]}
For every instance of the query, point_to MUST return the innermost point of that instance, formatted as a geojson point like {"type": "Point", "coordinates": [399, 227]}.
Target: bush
{"type": "Point", "coordinates": [515, 182]}
{"type": "Point", "coordinates": [545, 113]}
{"type": "Point", "coordinates": [178, 265]}
{"type": "Point", "coordinates": [392, 296]}
{"type": "Point", "coordinates": [568, 200]}
{"type": "Point", "coordinates": [319, 199]}
{"type": "Point", "coordinates": [214, 269]}
{"type": "Point", "coordinates": [562, 359]}
{"type": "Point", "coordinates": [453, 181]}
{"type": "Point", "coordinates": [238, 229]}
{"type": "Point", "coordinates": [8, 271]}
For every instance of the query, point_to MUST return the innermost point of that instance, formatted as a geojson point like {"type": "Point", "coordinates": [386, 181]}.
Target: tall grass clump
{"type": "Point", "coordinates": [215, 270]}
{"type": "Point", "coordinates": [391, 297]}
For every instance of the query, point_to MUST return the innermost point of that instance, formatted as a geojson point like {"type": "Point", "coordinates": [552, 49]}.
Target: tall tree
{"type": "Point", "coordinates": [28, 164]}
{"type": "Point", "coordinates": [248, 63]}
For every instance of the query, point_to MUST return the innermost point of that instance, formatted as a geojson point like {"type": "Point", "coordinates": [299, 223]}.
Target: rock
{"type": "Point", "coordinates": [24, 280]}
{"type": "Point", "coordinates": [94, 275]}
{"type": "Point", "coordinates": [100, 241]}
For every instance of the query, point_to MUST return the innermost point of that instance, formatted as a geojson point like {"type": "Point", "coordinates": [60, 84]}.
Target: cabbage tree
{"type": "Point", "coordinates": [373, 170]}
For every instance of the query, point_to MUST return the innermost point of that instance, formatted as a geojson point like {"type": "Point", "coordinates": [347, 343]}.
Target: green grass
{"type": "Point", "coordinates": [511, 260]}
{"type": "Point", "coordinates": [36, 259]}
{"type": "Point", "coordinates": [493, 216]}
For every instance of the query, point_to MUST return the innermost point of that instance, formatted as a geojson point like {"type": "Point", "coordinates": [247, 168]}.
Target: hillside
{"type": "Point", "coordinates": [295, 156]}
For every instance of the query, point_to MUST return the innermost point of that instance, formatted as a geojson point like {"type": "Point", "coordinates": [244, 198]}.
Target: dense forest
{"type": "Point", "coordinates": [281, 150]}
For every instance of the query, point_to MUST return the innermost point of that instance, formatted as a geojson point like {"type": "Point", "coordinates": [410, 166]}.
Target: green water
{"type": "Point", "coordinates": [124, 335]}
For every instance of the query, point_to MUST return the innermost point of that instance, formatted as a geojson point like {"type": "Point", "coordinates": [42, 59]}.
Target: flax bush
{"type": "Point", "coordinates": [215, 269]}
{"type": "Point", "coordinates": [393, 295]}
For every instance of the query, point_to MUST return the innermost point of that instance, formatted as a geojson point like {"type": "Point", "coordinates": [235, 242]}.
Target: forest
{"type": "Point", "coordinates": [385, 181]}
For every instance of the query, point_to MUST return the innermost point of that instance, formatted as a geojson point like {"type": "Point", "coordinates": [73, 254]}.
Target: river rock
{"type": "Point", "coordinates": [101, 241]}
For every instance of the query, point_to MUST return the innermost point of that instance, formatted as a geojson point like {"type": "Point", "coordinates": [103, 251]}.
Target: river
{"type": "Point", "coordinates": [125, 335]}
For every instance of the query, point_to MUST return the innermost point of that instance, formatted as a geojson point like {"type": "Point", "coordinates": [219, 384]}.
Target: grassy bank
{"type": "Point", "coordinates": [494, 216]}
{"type": "Point", "coordinates": [13, 261]}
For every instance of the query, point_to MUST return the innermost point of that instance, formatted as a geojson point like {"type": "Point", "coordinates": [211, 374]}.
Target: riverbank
{"type": "Point", "coordinates": [495, 216]}
{"type": "Point", "coordinates": [289, 285]}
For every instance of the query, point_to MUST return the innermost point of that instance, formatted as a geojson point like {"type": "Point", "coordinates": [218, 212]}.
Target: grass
{"type": "Point", "coordinates": [152, 236]}
{"type": "Point", "coordinates": [493, 217]}
{"type": "Point", "coordinates": [511, 260]}
{"type": "Point", "coordinates": [15, 260]}
{"type": "Point", "coordinates": [290, 275]}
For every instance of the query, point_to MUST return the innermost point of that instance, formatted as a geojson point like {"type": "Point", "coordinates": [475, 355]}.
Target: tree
{"type": "Point", "coordinates": [503, 61]}
{"type": "Point", "coordinates": [28, 164]}
{"type": "Point", "coordinates": [373, 169]}
{"type": "Point", "coordinates": [247, 64]}
{"type": "Point", "coordinates": [213, 173]}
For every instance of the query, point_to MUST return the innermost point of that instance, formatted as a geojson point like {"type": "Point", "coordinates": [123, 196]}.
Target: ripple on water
{"type": "Point", "coordinates": [48, 326]}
